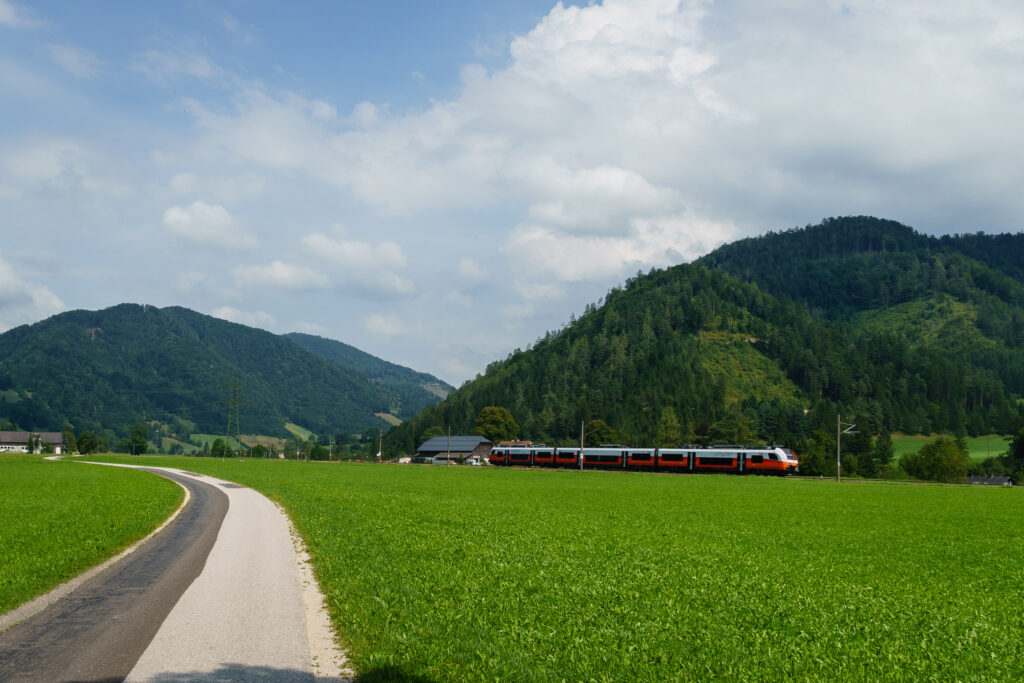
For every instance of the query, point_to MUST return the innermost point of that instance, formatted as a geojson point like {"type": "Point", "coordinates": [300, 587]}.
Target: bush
{"type": "Point", "coordinates": [892, 472]}
{"type": "Point", "coordinates": [945, 460]}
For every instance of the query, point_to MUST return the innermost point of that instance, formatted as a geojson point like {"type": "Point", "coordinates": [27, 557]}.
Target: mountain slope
{"type": "Point", "coordinates": [407, 391]}
{"type": "Point", "coordinates": [116, 366]}
{"type": "Point", "coordinates": [725, 356]}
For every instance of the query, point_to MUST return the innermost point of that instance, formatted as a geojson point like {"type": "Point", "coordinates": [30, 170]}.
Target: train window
{"type": "Point", "coordinates": [641, 456]}
{"type": "Point", "coordinates": [671, 457]}
{"type": "Point", "coordinates": [757, 459]}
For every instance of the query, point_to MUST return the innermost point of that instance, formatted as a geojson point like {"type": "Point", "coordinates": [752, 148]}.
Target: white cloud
{"type": "Point", "coordinates": [363, 265]}
{"type": "Point", "coordinates": [75, 60]}
{"type": "Point", "coordinates": [64, 163]}
{"type": "Point", "coordinates": [166, 66]}
{"type": "Point", "coordinates": [571, 258]}
{"type": "Point", "coordinates": [16, 16]}
{"type": "Point", "coordinates": [193, 281]}
{"type": "Point", "coordinates": [203, 225]}
{"type": "Point", "coordinates": [281, 275]}
{"type": "Point", "coordinates": [23, 302]}
{"type": "Point", "coordinates": [470, 271]}
{"type": "Point", "coordinates": [225, 188]}
{"type": "Point", "coordinates": [260, 319]}
{"type": "Point", "coordinates": [387, 325]}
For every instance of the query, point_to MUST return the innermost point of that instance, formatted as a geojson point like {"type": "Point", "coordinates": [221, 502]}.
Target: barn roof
{"type": "Point", "coordinates": [459, 444]}
{"type": "Point", "coordinates": [22, 437]}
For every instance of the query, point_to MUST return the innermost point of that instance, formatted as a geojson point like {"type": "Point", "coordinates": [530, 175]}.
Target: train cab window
{"type": "Point", "coordinates": [772, 456]}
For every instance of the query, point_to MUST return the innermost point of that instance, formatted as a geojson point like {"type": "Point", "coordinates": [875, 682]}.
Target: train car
{"type": "Point", "coordinates": [718, 459]}
{"type": "Point", "coordinates": [776, 460]}
{"type": "Point", "coordinates": [641, 458]}
{"type": "Point", "coordinates": [544, 456]}
{"type": "Point", "coordinates": [499, 455]}
{"type": "Point", "coordinates": [519, 455]}
{"type": "Point", "coordinates": [675, 459]}
{"type": "Point", "coordinates": [567, 457]}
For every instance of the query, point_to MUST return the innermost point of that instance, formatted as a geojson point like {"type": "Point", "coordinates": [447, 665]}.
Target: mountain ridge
{"type": "Point", "coordinates": [808, 306]}
{"type": "Point", "coordinates": [108, 368]}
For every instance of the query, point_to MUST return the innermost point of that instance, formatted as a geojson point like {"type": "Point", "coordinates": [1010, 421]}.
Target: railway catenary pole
{"type": "Point", "coordinates": [839, 437]}
{"type": "Point", "coordinates": [581, 444]}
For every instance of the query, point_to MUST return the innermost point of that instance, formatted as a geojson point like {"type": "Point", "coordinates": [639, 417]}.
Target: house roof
{"type": "Point", "coordinates": [22, 437]}
{"type": "Point", "coordinates": [990, 480]}
{"type": "Point", "coordinates": [459, 444]}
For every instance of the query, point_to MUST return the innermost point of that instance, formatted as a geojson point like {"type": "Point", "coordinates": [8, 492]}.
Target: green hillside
{"type": "Point", "coordinates": [895, 330]}
{"type": "Point", "coordinates": [108, 369]}
{"type": "Point", "coordinates": [406, 391]}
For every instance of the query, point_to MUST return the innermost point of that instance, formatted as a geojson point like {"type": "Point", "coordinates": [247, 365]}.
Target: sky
{"type": "Point", "coordinates": [441, 183]}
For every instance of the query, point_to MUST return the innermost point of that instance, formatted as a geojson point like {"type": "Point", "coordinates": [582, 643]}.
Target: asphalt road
{"type": "Point", "coordinates": [100, 630]}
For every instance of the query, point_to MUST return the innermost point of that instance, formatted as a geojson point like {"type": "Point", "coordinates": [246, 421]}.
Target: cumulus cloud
{"type": "Point", "coordinates": [566, 257]}
{"type": "Point", "coordinates": [23, 302]}
{"type": "Point", "coordinates": [260, 319]}
{"type": "Point", "coordinates": [75, 60]}
{"type": "Point", "coordinates": [166, 66]}
{"type": "Point", "coordinates": [363, 265]}
{"type": "Point", "coordinates": [470, 271]}
{"type": "Point", "coordinates": [387, 325]}
{"type": "Point", "coordinates": [281, 275]}
{"type": "Point", "coordinates": [206, 225]}
{"type": "Point", "coordinates": [16, 16]}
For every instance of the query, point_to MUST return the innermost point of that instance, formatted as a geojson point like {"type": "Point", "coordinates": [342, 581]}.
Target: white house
{"type": "Point", "coordinates": [17, 442]}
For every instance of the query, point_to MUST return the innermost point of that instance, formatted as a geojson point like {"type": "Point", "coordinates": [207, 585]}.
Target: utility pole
{"type": "Point", "coordinates": [839, 434]}
{"type": "Point", "coordinates": [233, 412]}
{"type": "Point", "coordinates": [582, 426]}
{"type": "Point", "coordinates": [449, 460]}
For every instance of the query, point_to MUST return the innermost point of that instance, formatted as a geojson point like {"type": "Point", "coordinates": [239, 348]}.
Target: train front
{"type": "Point", "coordinates": [792, 463]}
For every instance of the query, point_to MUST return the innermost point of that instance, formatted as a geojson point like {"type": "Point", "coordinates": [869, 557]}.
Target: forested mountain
{"type": "Point", "coordinates": [407, 391]}
{"type": "Point", "coordinates": [108, 369]}
{"type": "Point", "coordinates": [896, 330]}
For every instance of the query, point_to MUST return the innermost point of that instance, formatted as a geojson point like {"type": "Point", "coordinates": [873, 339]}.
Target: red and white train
{"type": "Point", "coordinates": [735, 459]}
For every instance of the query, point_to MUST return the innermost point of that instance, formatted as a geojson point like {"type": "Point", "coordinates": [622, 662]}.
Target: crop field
{"type": "Point", "coordinates": [485, 574]}
{"type": "Point", "coordinates": [979, 447]}
{"type": "Point", "coordinates": [58, 519]}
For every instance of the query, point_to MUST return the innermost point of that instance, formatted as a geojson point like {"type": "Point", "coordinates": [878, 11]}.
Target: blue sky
{"type": "Point", "coordinates": [440, 183]}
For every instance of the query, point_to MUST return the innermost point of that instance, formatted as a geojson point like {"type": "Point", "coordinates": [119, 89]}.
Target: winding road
{"type": "Point", "coordinates": [216, 595]}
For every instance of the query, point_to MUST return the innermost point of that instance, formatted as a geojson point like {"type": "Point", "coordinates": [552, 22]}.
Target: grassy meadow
{"type": "Point", "coordinates": [979, 447]}
{"type": "Point", "coordinates": [436, 573]}
{"type": "Point", "coordinates": [58, 519]}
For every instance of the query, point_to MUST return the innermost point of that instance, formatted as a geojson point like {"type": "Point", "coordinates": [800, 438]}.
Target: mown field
{"type": "Point", "coordinates": [436, 573]}
{"type": "Point", "coordinates": [979, 447]}
{"type": "Point", "coordinates": [58, 519]}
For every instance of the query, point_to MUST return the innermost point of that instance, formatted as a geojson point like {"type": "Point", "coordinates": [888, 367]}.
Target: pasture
{"type": "Point", "coordinates": [979, 447]}
{"type": "Point", "coordinates": [436, 573]}
{"type": "Point", "coordinates": [58, 519]}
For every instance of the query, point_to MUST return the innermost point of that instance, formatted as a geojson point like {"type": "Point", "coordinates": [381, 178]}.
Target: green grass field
{"type": "Point", "coordinates": [494, 574]}
{"type": "Point", "coordinates": [208, 439]}
{"type": "Point", "coordinates": [979, 447]}
{"type": "Point", "coordinates": [58, 519]}
{"type": "Point", "coordinates": [299, 432]}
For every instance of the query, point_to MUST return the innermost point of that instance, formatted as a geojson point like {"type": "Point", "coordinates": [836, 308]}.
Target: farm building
{"type": "Point", "coordinates": [459, 448]}
{"type": "Point", "coordinates": [990, 480]}
{"type": "Point", "coordinates": [17, 442]}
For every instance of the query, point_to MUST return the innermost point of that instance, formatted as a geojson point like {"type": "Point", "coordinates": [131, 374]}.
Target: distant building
{"type": "Point", "coordinates": [459, 448]}
{"type": "Point", "coordinates": [17, 442]}
{"type": "Point", "coordinates": [990, 480]}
